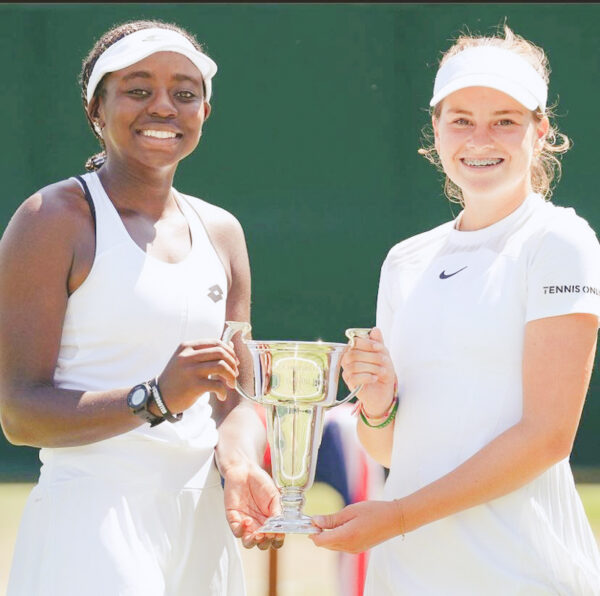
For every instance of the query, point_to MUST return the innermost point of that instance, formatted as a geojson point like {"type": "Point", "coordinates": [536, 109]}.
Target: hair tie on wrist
{"type": "Point", "coordinates": [382, 421]}
{"type": "Point", "coordinates": [160, 404]}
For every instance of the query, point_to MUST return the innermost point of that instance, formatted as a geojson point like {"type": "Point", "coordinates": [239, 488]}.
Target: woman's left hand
{"type": "Point", "coordinates": [367, 362]}
{"type": "Point", "coordinates": [250, 498]}
{"type": "Point", "coordinates": [358, 527]}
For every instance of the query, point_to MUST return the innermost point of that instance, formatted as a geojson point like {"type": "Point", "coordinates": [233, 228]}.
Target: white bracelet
{"type": "Point", "coordinates": [160, 404]}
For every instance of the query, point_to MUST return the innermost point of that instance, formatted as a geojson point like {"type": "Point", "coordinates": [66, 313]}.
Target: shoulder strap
{"type": "Point", "coordinates": [88, 198]}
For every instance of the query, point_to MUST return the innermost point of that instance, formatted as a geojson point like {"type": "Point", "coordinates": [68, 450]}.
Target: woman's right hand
{"type": "Point", "coordinates": [195, 368]}
{"type": "Point", "coordinates": [367, 362]}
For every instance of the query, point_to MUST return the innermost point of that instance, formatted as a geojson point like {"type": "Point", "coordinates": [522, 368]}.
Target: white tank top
{"type": "Point", "coordinates": [124, 322]}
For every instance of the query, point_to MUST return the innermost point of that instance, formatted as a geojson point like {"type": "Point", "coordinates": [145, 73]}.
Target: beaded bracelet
{"type": "Point", "coordinates": [384, 420]}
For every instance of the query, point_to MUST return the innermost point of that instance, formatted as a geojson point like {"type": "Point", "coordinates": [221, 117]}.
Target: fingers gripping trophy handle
{"type": "Point", "coordinates": [351, 334]}
{"type": "Point", "coordinates": [231, 328]}
{"type": "Point", "coordinates": [355, 332]}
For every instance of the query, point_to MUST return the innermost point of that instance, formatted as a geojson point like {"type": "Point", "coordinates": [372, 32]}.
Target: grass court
{"type": "Point", "coordinates": [303, 569]}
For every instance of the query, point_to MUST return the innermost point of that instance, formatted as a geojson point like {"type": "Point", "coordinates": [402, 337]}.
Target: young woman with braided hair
{"type": "Point", "coordinates": [114, 289]}
{"type": "Point", "coordinates": [475, 377]}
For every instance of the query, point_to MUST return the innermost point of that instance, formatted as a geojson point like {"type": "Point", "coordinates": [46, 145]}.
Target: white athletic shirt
{"type": "Point", "coordinates": [452, 307]}
{"type": "Point", "coordinates": [121, 327]}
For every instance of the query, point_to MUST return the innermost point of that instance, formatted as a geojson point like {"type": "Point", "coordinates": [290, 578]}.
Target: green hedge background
{"type": "Point", "coordinates": [312, 142]}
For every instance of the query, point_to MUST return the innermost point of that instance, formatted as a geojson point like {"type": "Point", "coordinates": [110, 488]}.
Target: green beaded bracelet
{"type": "Point", "coordinates": [389, 419]}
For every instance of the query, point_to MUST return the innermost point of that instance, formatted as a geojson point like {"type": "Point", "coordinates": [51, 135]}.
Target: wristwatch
{"type": "Point", "coordinates": [138, 400]}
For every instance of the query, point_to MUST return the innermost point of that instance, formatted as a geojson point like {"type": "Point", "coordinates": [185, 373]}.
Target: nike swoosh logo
{"type": "Point", "coordinates": [444, 275]}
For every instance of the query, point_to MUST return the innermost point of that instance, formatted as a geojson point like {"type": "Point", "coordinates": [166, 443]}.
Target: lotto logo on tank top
{"type": "Point", "coordinates": [573, 289]}
{"type": "Point", "coordinates": [215, 293]}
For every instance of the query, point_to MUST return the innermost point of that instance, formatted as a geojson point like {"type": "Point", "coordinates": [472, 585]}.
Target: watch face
{"type": "Point", "coordinates": [137, 397]}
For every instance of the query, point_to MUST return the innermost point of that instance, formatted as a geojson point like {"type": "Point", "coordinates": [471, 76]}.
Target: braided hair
{"type": "Point", "coordinates": [96, 161]}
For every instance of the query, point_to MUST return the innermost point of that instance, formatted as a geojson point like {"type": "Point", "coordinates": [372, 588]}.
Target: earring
{"type": "Point", "coordinates": [98, 128]}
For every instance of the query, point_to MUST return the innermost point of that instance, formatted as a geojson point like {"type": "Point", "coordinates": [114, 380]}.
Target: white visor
{"type": "Point", "coordinates": [139, 45]}
{"type": "Point", "coordinates": [489, 66]}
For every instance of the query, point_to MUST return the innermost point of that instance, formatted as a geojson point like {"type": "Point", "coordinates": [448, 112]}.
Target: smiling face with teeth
{"type": "Point", "coordinates": [152, 112]}
{"type": "Point", "coordinates": [486, 141]}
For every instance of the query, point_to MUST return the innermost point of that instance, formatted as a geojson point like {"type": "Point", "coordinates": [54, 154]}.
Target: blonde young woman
{"type": "Point", "coordinates": [475, 377]}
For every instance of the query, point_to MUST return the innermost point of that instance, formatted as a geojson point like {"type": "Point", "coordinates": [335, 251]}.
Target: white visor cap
{"type": "Point", "coordinates": [497, 68]}
{"type": "Point", "coordinates": [139, 45]}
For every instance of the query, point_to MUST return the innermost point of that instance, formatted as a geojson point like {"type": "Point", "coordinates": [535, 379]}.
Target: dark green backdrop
{"type": "Point", "coordinates": [312, 142]}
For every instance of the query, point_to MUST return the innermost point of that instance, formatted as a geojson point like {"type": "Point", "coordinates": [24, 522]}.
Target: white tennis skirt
{"type": "Point", "coordinates": [125, 534]}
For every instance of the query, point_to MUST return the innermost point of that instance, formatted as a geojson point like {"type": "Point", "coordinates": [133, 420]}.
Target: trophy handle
{"type": "Point", "coordinates": [347, 398]}
{"type": "Point", "coordinates": [351, 334]}
{"type": "Point", "coordinates": [356, 332]}
{"type": "Point", "coordinates": [231, 328]}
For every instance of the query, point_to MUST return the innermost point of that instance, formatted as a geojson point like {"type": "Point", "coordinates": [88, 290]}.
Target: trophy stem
{"type": "Point", "coordinates": [292, 501]}
{"type": "Point", "coordinates": [291, 520]}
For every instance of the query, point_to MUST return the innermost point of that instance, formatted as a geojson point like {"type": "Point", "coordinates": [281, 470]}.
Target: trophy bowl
{"type": "Point", "coordinates": [295, 381]}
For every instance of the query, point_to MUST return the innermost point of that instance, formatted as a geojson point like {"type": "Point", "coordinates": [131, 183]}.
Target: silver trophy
{"type": "Point", "coordinates": [295, 381]}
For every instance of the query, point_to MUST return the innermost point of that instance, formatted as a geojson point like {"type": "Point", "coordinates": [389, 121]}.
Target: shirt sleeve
{"type": "Point", "coordinates": [564, 273]}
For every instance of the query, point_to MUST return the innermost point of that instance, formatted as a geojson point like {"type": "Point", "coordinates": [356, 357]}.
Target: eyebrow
{"type": "Point", "coordinates": [144, 74]}
{"type": "Point", "coordinates": [496, 113]}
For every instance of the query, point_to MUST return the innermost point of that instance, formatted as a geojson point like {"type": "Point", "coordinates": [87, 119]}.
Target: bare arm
{"type": "Point", "coordinates": [37, 257]}
{"type": "Point", "coordinates": [557, 365]}
{"type": "Point", "coordinates": [250, 495]}
{"type": "Point", "coordinates": [45, 253]}
{"type": "Point", "coordinates": [368, 363]}
{"type": "Point", "coordinates": [236, 413]}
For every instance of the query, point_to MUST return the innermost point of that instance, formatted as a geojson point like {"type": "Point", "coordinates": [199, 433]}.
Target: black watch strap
{"type": "Point", "coordinates": [148, 416]}
{"type": "Point", "coordinates": [139, 399]}
{"type": "Point", "coordinates": [160, 404]}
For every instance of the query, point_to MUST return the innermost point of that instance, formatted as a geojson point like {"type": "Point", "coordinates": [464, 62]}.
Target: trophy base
{"type": "Point", "coordinates": [295, 525]}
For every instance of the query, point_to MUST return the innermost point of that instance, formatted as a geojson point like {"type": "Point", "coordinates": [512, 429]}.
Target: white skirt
{"type": "Point", "coordinates": [98, 535]}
